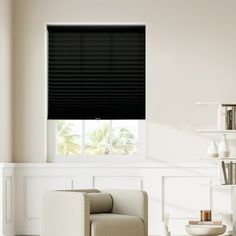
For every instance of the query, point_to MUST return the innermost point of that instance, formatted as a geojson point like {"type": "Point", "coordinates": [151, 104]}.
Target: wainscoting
{"type": "Point", "coordinates": [179, 189]}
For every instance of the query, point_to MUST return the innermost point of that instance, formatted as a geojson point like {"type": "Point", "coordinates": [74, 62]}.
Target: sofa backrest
{"type": "Point", "coordinates": [100, 203]}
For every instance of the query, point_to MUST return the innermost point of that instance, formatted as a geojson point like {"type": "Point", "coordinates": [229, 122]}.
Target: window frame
{"type": "Point", "coordinates": [52, 157]}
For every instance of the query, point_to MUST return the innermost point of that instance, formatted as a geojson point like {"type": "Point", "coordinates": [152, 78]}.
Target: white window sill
{"type": "Point", "coordinates": [110, 165]}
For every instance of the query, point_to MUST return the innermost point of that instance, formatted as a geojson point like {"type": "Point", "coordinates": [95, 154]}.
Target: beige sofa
{"type": "Point", "coordinates": [94, 213]}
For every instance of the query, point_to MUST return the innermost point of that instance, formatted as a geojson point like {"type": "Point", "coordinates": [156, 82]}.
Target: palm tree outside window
{"type": "Point", "coordinates": [97, 137]}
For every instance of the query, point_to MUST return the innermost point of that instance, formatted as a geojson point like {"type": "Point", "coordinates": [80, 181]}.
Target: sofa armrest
{"type": "Point", "coordinates": [131, 202]}
{"type": "Point", "coordinates": [65, 213]}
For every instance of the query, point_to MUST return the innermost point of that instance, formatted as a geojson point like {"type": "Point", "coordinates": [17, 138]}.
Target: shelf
{"type": "Point", "coordinates": [215, 103]}
{"type": "Point", "coordinates": [218, 158]}
{"type": "Point", "coordinates": [216, 131]}
{"type": "Point", "coordinates": [218, 185]}
{"type": "Point", "coordinates": [223, 185]}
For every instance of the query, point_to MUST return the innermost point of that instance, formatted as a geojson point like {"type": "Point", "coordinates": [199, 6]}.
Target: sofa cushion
{"type": "Point", "coordinates": [100, 202]}
{"type": "Point", "coordinates": [116, 225]}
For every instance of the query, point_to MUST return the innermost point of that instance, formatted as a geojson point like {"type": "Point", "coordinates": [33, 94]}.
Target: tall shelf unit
{"type": "Point", "coordinates": [220, 130]}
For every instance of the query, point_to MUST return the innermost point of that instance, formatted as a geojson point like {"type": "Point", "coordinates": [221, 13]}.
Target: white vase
{"type": "Point", "coordinates": [224, 150]}
{"type": "Point", "coordinates": [212, 150]}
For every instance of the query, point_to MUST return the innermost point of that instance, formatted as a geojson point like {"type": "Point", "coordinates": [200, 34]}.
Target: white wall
{"type": "Point", "coordinates": [170, 189]}
{"type": "Point", "coordinates": [5, 80]}
{"type": "Point", "coordinates": [191, 57]}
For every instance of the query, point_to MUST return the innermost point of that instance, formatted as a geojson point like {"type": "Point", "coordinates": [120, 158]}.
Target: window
{"type": "Point", "coordinates": [73, 140]}
{"type": "Point", "coordinates": [96, 91]}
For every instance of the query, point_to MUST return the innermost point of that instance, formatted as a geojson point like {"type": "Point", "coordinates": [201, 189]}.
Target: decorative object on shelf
{"type": "Point", "coordinates": [229, 172]}
{"type": "Point", "coordinates": [224, 150]}
{"type": "Point", "coordinates": [229, 113]}
{"type": "Point", "coordinates": [196, 222]}
{"type": "Point", "coordinates": [212, 150]}
{"type": "Point", "coordinates": [224, 172]}
{"type": "Point", "coordinates": [165, 225]}
{"type": "Point", "coordinates": [205, 227]}
{"type": "Point", "coordinates": [203, 230]}
{"type": "Point", "coordinates": [205, 215]}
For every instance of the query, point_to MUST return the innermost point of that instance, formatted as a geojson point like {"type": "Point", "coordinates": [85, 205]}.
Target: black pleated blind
{"type": "Point", "coordinates": [96, 72]}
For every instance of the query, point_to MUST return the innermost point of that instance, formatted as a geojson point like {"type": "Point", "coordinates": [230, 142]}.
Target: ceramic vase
{"type": "Point", "coordinates": [212, 150]}
{"type": "Point", "coordinates": [224, 150]}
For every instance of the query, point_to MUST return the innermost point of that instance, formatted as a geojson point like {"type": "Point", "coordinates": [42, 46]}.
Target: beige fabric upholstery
{"type": "Point", "coordinates": [116, 225]}
{"type": "Point", "coordinates": [131, 202]}
{"type": "Point", "coordinates": [100, 202]}
{"type": "Point", "coordinates": [67, 213]}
